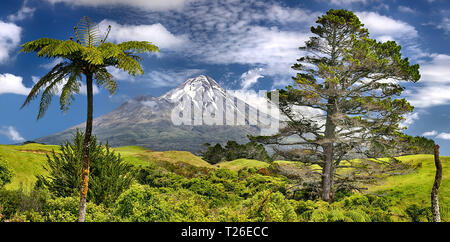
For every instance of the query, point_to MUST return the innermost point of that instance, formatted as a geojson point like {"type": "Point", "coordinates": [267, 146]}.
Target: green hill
{"type": "Point", "coordinates": [26, 161]}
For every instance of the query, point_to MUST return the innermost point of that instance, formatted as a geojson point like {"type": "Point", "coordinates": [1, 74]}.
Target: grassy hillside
{"type": "Point", "coordinates": [25, 161]}
{"type": "Point", "coordinates": [242, 163]}
{"type": "Point", "coordinates": [414, 188]}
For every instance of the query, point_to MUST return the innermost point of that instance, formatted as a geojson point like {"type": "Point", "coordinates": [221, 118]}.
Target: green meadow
{"type": "Point", "coordinates": [27, 161]}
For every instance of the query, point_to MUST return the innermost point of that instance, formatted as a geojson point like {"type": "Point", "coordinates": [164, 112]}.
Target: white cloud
{"type": "Point", "coordinates": [430, 133]}
{"type": "Point", "coordinates": [443, 136]}
{"type": "Point", "coordinates": [158, 5]}
{"type": "Point", "coordinates": [444, 25]}
{"type": "Point", "coordinates": [232, 32]}
{"type": "Point", "coordinates": [157, 79]}
{"type": "Point", "coordinates": [347, 2]}
{"type": "Point", "coordinates": [11, 133]}
{"type": "Point", "coordinates": [23, 13]}
{"type": "Point", "coordinates": [384, 28]}
{"type": "Point", "coordinates": [409, 119]}
{"type": "Point", "coordinates": [10, 83]}
{"type": "Point", "coordinates": [9, 39]}
{"type": "Point", "coordinates": [155, 33]}
{"type": "Point", "coordinates": [250, 77]}
{"type": "Point", "coordinates": [434, 86]}
{"type": "Point", "coordinates": [406, 9]}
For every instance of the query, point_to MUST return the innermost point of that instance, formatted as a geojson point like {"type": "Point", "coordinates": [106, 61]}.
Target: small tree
{"type": "Point", "coordinates": [88, 56]}
{"type": "Point", "coordinates": [109, 177]}
{"type": "Point", "coordinates": [6, 174]}
{"type": "Point", "coordinates": [351, 82]}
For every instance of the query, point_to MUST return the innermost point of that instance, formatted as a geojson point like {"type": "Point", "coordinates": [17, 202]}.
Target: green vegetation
{"type": "Point", "coordinates": [243, 163]}
{"type": "Point", "coordinates": [233, 150]}
{"type": "Point", "coordinates": [5, 174]}
{"type": "Point", "coordinates": [109, 174]}
{"type": "Point", "coordinates": [165, 189]}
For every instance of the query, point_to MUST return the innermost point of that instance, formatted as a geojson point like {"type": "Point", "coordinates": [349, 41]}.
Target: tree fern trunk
{"type": "Point", "coordinates": [86, 148]}
{"type": "Point", "coordinates": [437, 183]}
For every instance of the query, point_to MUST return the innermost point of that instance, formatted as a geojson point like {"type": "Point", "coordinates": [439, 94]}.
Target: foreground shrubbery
{"type": "Point", "coordinates": [221, 195]}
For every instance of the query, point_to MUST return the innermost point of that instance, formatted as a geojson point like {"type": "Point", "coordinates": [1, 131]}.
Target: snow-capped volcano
{"type": "Point", "coordinates": [148, 121]}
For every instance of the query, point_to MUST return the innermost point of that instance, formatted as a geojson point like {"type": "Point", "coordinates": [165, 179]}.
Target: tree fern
{"type": "Point", "coordinates": [87, 56]}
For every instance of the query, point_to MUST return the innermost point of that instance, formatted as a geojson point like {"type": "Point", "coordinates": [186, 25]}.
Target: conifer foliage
{"type": "Point", "coordinates": [351, 82]}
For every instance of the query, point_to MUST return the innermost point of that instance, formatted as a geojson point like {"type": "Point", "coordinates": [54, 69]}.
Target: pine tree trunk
{"type": "Point", "coordinates": [437, 183]}
{"type": "Point", "coordinates": [328, 148]}
{"type": "Point", "coordinates": [86, 148]}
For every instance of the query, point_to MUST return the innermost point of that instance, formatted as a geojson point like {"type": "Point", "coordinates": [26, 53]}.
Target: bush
{"type": "Point", "coordinates": [6, 174]}
{"type": "Point", "coordinates": [65, 209]}
{"type": "Point", "coordinates": [268, 206]}
{"type": "Point", "coordinates": [15, 202]}
{"type": "Point", "coordinates": [109, 174]}
{"type": "Point", "coordinates": [233, 150]}
{"type": "Point", "coordinates": [419, 214]}
{"type": "Point", "coordinates": [142, 203]}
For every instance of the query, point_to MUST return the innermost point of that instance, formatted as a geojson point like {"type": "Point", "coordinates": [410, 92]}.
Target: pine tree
{"type": "Point", "coordinates": [353, 82]}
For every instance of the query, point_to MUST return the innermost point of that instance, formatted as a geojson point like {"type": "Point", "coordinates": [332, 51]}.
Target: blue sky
{"type": "Point", "coordinates": [245, 45]}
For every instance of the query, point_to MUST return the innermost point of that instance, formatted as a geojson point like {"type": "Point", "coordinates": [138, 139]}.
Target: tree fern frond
{"type": "Point", "coordinates": [110, 50]}
{"type": "Point", "coordinates": [48, 94]}
{"type": "Point", "coordinates": [64, 49]}
{"type": "Point", "coordinates": [105, 79]}
{"type": "Point", "coordinates": [88, 32]}
{"type": "Point", "coordinates": [129, 65]}
{"type": "Point", "coordinates": [92, 55]}
{"type": "Point", "coordinates": [37, 45]}
{"type": "Point", "coordinates": [45, 80]}
{"type": "Point", "coordinates": [138, 47]}
{"type": "Point", "coordinates": [71, 87]}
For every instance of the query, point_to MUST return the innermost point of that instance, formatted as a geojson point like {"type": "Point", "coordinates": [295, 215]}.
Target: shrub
{"type": "Point", "coordinates": [15, 202]}
{"type": "Point", "coordinates": [6, 174]}
{"type": "Point", "coordinates": [268, 206]}
{"type": "Point", "coordinates": [233, 150]}
{"type": "Point", "coordinates": [142, 203]}
{"type": "Point", "coordinates": [109, 174]}
{"type": "Point", "coordinates": [65, 209]}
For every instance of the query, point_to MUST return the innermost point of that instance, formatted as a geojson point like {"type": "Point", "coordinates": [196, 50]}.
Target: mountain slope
{"type": "Point", "coordinates": [147, 121]}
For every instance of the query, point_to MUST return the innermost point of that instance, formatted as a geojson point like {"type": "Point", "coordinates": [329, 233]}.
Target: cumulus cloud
{"type": "Point", "coordinates": [385, 28]}
{"type": "Point", "coordinates": [11, 133]}
{"type": "Point", "coordinates": [409, 119]}
{"type": "Point", "coordinates": [10, 83]}
{"type": "Point", "coordinates": [430, 133]}
{"type": "Point", "coordinates": [9, 39]}
{"type": "Point", "coordinates": [157, 5]}
{"type": "Point", "coordinates": [434, 86]}
{"type": "Point", "coordinates": [443, 136]}
{"type": "Point", "coordinates": [232, 32]}
{"type": "Point", "coordinates": [155, 33]}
